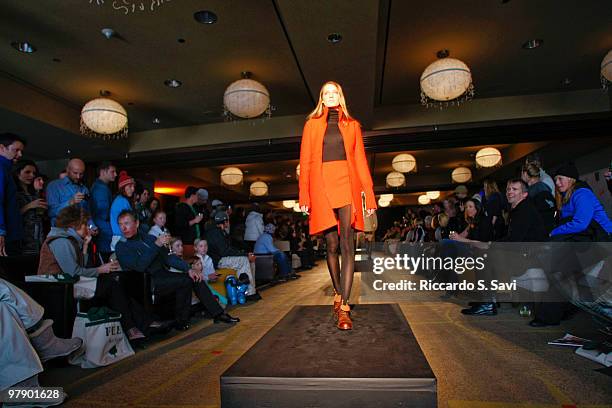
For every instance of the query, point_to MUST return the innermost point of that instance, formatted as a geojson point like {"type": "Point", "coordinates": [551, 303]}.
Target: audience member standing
{"type": "Point", "coordinates": [544, 177]}
{"type": "Point", "coordinates": [187, 219]}
{"type": "Point", "coordinates": [69, 190]}
{"type": "Point", "coordinates": [254, 226]}
{"type": "Point", "coordinates": [238, 227]}
{"type": "Point", "coordinates": [11, 232]}
{"type": "Point", "coordinates": [540, 194]}
{"type": "Point", "coordinates": [101, 199]}
{"type": "Point", "coordinates": [122, 202]}
{"type": "Point", "coordinates": [201, 207]}
{"type": "Point", "coordinates": [142, 196]}
{"type": "Point", "coordinates": [493, 206]}
{"type": "Point", "coordinates": [31, 206]}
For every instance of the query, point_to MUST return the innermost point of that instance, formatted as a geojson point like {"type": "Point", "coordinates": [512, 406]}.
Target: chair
{"type": "Point", "coordinates": [55, 297]}
{"type": "Point", "coordinates": [264, 266]}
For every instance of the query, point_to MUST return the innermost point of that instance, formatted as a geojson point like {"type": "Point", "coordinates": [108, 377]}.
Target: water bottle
{"type": "Point", "coordinates": [241, 289]}
{"type": "Point", "coordinates": [230, 287]}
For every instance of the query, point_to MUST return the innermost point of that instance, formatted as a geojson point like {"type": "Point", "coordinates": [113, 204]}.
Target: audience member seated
{"type": "Point", "coordinates": [206, 294]}
{"type": "Point", "coordinates": [208, 268]}
{"type": "Point", "coordinates": [65, 251]}
{"type": "Point", "coordinates": [145, 253]}
{"type": "Point", "coordinates": [264, 245]}
{"type": "Point", "coordinates": [582, 219]}
{"type": "Point", "coordinates": [479, 229]}
{"type": "Point", "coordinates": [159, 224]}
{"type": "Point", "coordinates": [224, 255]}
{"type": "Point", "coordinates": [27, 340]}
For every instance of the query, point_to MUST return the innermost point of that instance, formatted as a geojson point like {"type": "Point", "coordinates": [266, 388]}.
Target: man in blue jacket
{"type": "Point", "coordinates": [145, 253]}
{"type": "Point", "coordinates": [11, 233]}
{"type": "Point", "coordinates": [101, 200]}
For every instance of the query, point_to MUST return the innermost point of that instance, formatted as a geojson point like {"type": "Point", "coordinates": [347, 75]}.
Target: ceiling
{"type": "Point", "coordinates": [386, 46]}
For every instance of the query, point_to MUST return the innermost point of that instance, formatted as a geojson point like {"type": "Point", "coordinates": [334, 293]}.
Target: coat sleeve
{"type": "Point", "coordinates": [65, 255]}
{"type": "Point", "coordinates": [363, 169]}
{"type": "Point", "coordinates": [583, 201]}
{"type": "Point", "coordinates": [305, 162]}
{"type": "Point", "coordinates": [136, 258]}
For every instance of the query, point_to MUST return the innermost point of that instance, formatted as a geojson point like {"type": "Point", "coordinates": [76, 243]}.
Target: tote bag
{"type": "Point", "coordinates": [103, 338]}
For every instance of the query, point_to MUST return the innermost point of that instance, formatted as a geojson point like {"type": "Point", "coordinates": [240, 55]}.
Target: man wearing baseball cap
{"type": "Point", "coordinates": [224, 255]}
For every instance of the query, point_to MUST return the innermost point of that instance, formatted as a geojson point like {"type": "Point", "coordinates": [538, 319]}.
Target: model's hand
{"type": "Point", "coordinates": [370, 212]}
{"type": "Point", "coordinates": [304, 209]}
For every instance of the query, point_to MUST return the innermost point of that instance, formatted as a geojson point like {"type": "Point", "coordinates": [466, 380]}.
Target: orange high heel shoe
{"type": "Point", "coordinates": [344, 318]}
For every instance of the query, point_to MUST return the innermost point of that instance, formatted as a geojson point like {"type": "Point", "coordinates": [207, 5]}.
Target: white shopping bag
{"type": "Point", "coordinates": [296, 262]}
{"type": "Point", "coordinates": [103, 338]}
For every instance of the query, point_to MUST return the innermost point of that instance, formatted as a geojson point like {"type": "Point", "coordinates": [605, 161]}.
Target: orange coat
{"type": "Point", "coordinates": [312, 192]}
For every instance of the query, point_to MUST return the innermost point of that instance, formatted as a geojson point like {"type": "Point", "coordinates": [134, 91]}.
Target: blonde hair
{"type": "Point", "coordinates": [563, 199]}
{"type": "Point", "coordinates": [443, 220]}
{"type": "Point", "coordinates": [198, 240]}
{"type": "Point", "coordinates": [318, 110]}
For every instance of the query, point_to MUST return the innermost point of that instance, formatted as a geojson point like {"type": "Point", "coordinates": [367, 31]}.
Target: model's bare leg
{"type": "Point", "coordinates": [347, 250]}
{"type": "Point", "coordinates": [333, 261]}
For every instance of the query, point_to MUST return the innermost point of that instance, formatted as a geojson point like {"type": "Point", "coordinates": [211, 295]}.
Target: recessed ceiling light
{"type": "Point", "coordinates": [173, 83]}
{"type": "Point", "coordinates": [205, 17]}
{"type": "Point", "coordinates": [108, 33]}
{"type": "Point", "coordinates": [532, 44]}
{"type": "Point", "coordinates": [25, 47]}
{"type": "Point", "coordinates": [156, 121]}
{"type": "Point", "coordinates": [334, 38]}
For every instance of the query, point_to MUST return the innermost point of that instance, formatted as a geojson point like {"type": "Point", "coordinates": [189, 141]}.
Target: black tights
{"type": "Point", "coordinates": [342, 281]}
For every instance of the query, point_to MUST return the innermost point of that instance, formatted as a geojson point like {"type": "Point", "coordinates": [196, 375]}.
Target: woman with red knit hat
{"type": "Point", "coordinates": [334, 173]}
{"type": "Point", "coordinates": [123, 201]}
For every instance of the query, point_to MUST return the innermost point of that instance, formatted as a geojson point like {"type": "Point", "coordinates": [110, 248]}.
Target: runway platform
{"type": "Point", "coordinates": [305, 361]}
